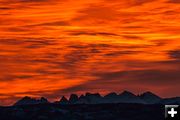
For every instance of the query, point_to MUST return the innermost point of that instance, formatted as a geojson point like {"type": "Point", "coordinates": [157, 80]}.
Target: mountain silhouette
{"type": "Point", "coordinates": [90, 106]}
{"type": "Point", "coordinates": [73, 98]}
{"type": "Point", "coordinates": [96, 98]}
{"type": "Point", "coordinates": [63, 100]}
{"type": "Point", "coordinates": [124, 97]}
{"type": "Point", "coordinates": [28, 100]}
{"type": "Point", "coordinates": [150, 98]}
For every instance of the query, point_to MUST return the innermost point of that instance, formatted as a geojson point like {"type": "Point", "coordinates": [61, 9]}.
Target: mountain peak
{"type": "Point", "coordinates": [150, 97]}
{"type": "Point", "coordinates": [127, 93]}
{"type": "Point", "coordinates": [112, 94]}
{"type": "Point", "coordinates": [96, 98]}
{"type": "Point", "coordinates": [43, 99]}
{"type": "Point", "coordinates": [63, 100]}
{"type": "Point", "coordinates": [28, 100]}
{"type": "Point", "coordinates": [73, 98]}
{"type": "Point", "coordinates": [149, 94]}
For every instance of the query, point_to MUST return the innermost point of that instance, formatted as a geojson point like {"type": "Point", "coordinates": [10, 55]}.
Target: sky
{"type": "Point", "coordinates": [53, 48]}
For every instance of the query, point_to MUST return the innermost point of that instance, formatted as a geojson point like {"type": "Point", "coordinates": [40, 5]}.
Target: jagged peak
{"type": "Point", "coordinates": [88, 94]}
{"type": "Point", "coordinates": [63, 99]}
{"type": "Point", "coordinates": [150, 94]}
{"type": "Point", "coordinates": [147, 97]}
{"type": "Point", "coordinates": [26, 97]}
{"type": "Point", "coordinates": [72, 96]}
{"type": "Point", "coordinates": [29, 100]}
{"type": "Point", "coordinates": [127, 93]}
{"type": "Point", "coordinates": [43, 99]}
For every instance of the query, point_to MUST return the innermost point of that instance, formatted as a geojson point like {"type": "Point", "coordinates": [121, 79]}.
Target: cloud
{"type": "Point", "coordinates": [120, 53]}
{"type": "Point", "coordinates": [24, 1]}
{"type": "Point", "coordinates": [33, 0]}
{"type": "Point", "coordinates": [75, 89]}
{"type": "Point", "coordinates": [108, 44]}
{"type": "Point", "coordinates": [94, 13]}
{"type": "Point", "coordinates": [174, 1]}
{"type": "Point", "coordinates": [132, 37]}
{"type": "Point", "coordinates": [5, 8]}
{"type": "Point", "coordinates": [136, 80]}
{"type": "Point", "coordinates": [129, 3]}
{"type": "Point", "coordinates": [175, 54]}
{"type": "Point", "coordinates": [10, 77]}
{"type": "Point", "coordinates": [153, 77]}
{"type": "Point", "coordinates": [27, 42]}
{"type": "Point", "coordinates": [53, 23]}
{"type": "Point", "coordinates": [76, 33]}
{"type": "Point", "coordinates": [141, 2]}
{"type": "Point", "coordinates": [39, 43]}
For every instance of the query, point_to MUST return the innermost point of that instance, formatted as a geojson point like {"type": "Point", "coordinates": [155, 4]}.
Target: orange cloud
{"type": "Point", "coordinates": [51, 46]}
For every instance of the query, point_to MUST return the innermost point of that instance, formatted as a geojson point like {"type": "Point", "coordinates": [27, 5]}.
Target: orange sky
{"type": "Point", "coordinates": [57, 47]}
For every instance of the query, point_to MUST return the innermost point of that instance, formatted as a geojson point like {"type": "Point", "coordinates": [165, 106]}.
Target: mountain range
{"type": "Point", "coordinates": [96, 98]}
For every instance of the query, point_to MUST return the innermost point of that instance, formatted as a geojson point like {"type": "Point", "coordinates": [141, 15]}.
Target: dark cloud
{"type": "Point", "coordinates": [33, 0]}
{"type": "Point", "coordinates": [154, 77]}
{"type": "Point", "coordinates": [39, 43]}
{"type": "Point", "coordinates": [5, 8]}
{"type": "Point", "coordinates": [53, 23]}
{"type": "Point", "coordinates": [25, 1]}
{"type": "Point", "coordinates": [175, 54]}
{"type": "Point", "coordinates": [18, 29]}
{"type": "Point", "coordinates": [131, 2]}
{"type": "Point", "coordinates": [28, 43]}
{"type": "Point", "coordinates": [174, 1]}
{"type": "Point", "coordinates": [10, 77]}
{"type": "Point", "coordinates": [11, 42]}
{"type": "Point", "coordinates": [119, 53]}
{"type": "Point", "coordinates": [74, 89]}
{"type": "Point", "coordinates": [132, 37]}
{"type": "Point", "coordinates": [141, 2]}
{"type": "Point", "coordinates": [130, 80]}
{"type": "Point", "coordinates": [78, 56]}
{"type": "Point", "coordinates": [74, 58]}
{"type": "Point", "coordinates": [81, 53]}
{"type": "Point", "coordinates": [91, 33]}
{"type": "Point", "coordinates": [100, 45]}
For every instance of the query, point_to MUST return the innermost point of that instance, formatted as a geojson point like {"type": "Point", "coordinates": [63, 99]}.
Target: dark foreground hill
{"type": "Point", "coordinates": [49, 111]}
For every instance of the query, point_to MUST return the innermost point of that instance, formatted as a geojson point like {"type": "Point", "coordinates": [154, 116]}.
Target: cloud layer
{"type": "Point", "coordinates": [52, 48]}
